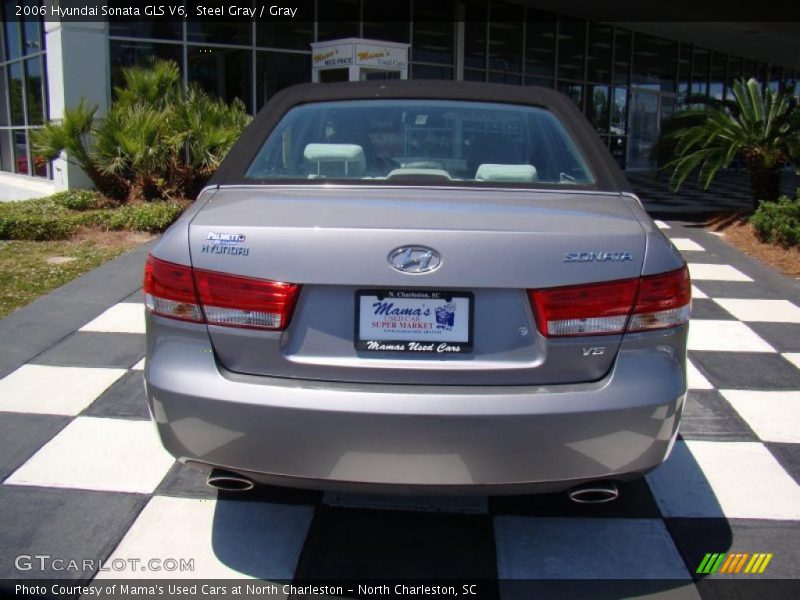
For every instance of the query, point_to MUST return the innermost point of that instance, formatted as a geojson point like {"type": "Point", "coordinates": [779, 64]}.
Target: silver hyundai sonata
{"type": "Point", "coordinates": [418, 287]}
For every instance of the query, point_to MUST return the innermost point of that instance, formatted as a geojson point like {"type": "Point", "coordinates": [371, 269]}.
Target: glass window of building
{"type": "Point", "coordinates": [32, 36]}
{"type": "Point", "coordinates": [749, 69]}
{"type": "Point", "coordinates": [295, 34]}
{"type": "Point", "coordinates": [35, 90]}
{"type": "Point", "coordinates": [597, 106]}
{"type": "Point", "coordinates": [622, 56]}
{"type": "Point", "coordinates": [159, 29]}
{"type": "Point", "coordinates": [222, 72]}
{"type": "Point", "coordinates": [775, 78]}
{"type": "Point", "coordinates": [12, 34]}
{"type": "Point", "coordinates": [475, 35]}
{"type": "Point", "coordinates": [337, 19]}
{"type": "Point", "coordinates": [15, 94]}
{"type": "Point", "coordinates": [278, 70]}
{"type": "Point", "coordinates": [540, 45]}
{"type": "Point", "coordinates": [700, 71]}
{"type": "Point", "coordinates": [573, 91]}
{"type": "Point", "coordinates": [431, 72]}
{"type": "Point", "coordinates": [684, 72]}
{"type": "Point", "coordinates": [506, 30]}
{"type": "Point", "coordinates": [571, 48]}
{"type": "Point", "coordinates": [211, 31]}
{"type": "Point", "coordinates": [433, 37]}
{"type": "Point", "coordinates": [598, 56]}
{"type": "Point", "coordinates": [734, 73]}
{"type": "Point", "coordinates": [654, 63]}
{"type": "Point", "coordinates": [386, 21]}
{"type": "Point", "coordinates": [719, 63]}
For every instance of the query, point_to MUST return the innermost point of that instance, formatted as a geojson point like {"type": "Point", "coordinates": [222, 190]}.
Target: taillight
{"type": "Point", "coordinates": [178, 292]}
{"type": "Point", "coordinates": [652, 302]}
{"type": "Point", "coordinates": [245, 302]}
{"type": "Point", "coordinates": [663, 301]}
{"type": "Point", "coordinates": [169, 290]}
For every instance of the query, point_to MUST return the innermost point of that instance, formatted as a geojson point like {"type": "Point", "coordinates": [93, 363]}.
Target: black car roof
{"type": "Point", "coordinates": [608, 175]}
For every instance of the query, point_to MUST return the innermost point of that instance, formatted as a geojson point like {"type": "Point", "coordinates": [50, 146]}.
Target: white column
{"type": "Point", "coordinates": [77, 67]}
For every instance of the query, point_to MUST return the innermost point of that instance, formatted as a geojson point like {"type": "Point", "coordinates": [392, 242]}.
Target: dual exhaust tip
{"type": "Point", "coordinates": [598, 492]}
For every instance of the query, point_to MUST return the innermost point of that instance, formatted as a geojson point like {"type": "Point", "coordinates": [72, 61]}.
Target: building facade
{"type": "Point", "coordinates": [626, 80]}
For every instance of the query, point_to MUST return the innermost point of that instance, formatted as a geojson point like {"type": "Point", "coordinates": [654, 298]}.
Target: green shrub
{"type": "Point", "coordinates": [152, 217]}
{"type": "Point", "coordinates": [78, 199]}
{"type": "Point", "coordinates": [778, 222]}
{"type": "Point", "coordinates": [58, 217]}
{"type": "Point", "coordinates": [40, 219]}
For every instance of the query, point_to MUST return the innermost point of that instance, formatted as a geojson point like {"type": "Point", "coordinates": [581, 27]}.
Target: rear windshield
{"type": "Point", "coordinates": [435, 141]}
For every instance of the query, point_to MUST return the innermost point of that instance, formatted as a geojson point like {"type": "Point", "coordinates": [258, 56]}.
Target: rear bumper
{"type": "Point", "coordinates": [441, 439]}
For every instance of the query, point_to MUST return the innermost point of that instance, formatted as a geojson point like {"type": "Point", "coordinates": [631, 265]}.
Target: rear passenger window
{"type": "Point", "coordinates": [432, 140]}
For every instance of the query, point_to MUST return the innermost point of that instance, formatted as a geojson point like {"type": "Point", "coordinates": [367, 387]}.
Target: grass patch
{"type": "Point", "coordinates": [29, 269]}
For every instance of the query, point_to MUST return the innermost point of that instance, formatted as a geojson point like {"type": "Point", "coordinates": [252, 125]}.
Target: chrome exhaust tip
{"type": "Point", "coordinates": [597, 492]}
{"type": "Point", "coordinates": [229, 482]}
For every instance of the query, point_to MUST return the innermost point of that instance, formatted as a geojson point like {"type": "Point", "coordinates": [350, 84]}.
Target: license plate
{"type": "Point", "coordinates": [417, 321]}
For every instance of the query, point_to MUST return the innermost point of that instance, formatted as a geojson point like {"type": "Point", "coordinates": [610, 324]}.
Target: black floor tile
{"type": "Point", "coordinates": [93, 349]}
{"type": "Point", "coordinates": [369, 544]}
{"type": "Point", "coordinates": [788, 455]}
{"type": "Point", "coordinates": [784, 337]}
{"type": "Point", "coordinates": [696, 537]}
{"type": "Point", "coordinates": [634, 501]}
{"type": "Point", "coordinates": [124, 399]}
{"type": "Point", "coordinates": [22, 435]}
{"type": "Point", "coordinates": [708, 309]}
{"type": "Point", "coordinates": [708, 416]}
{"type": "Point", "coordinates": [63, 524]}
{"type": "Point", "coordinates": [747, 370]}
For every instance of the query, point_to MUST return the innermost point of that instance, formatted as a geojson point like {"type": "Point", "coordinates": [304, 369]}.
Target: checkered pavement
{"type": "Point", "coordinates": [84, 476]}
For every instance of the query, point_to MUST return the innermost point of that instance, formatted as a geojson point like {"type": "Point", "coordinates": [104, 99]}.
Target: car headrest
{"type": "Point", "coordinates": [351, 156]}
{"type": "Point", "coordinates": [509, 173]}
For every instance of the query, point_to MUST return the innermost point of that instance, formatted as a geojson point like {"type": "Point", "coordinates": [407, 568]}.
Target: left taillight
{"type": "Point", "coordinates": [180, 292]}
{"type": "Point", "coordinates": [169, 290]}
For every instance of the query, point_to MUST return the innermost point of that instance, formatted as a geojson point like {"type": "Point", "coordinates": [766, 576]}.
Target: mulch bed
{"type": "Point", "coordinates": [738, 232]}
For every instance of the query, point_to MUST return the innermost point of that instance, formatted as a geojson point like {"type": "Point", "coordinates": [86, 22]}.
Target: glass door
{"type": "Point", "coordinates": [643, 128]}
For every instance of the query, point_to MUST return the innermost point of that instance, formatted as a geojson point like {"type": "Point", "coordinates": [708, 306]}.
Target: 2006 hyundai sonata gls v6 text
{"type": "Point", "coordinates": [431, 287]}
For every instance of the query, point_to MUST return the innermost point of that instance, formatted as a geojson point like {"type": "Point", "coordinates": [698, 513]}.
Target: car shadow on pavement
{"type": "Point", "coordinates": [651, 540]}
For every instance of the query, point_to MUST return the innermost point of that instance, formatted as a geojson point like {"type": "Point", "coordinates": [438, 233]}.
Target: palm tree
{"type": "Point", "coordinates": [156, 139]}
{"type": "Point", "coordinates": [755, 125]}
{"type": "Point", "coordinates": [72, 138]}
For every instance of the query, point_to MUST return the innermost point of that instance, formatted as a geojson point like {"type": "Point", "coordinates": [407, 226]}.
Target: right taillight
{"type": "Point", "coordinates": [663, 301]}
{"type": "Point", "coordinates": [651, 302]}
{"type": "Point", "coordinates": [179, 292]}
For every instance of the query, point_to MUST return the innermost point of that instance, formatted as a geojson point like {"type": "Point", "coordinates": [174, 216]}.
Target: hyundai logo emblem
{"type": "Point", "coordinates": [415, 259]}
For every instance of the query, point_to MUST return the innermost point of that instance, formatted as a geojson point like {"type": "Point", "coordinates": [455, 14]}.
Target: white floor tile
{"type": "Point", "coordinates": [695, 378]}
{"type": "Point", "coordinates": [711, 272]}
{"type": "Point", "coordinates": [42, 389]}
{"type": "Point", "coordinates": [226, 539]}
{"type": "Point", "coordinates": [773, 311]}
{"type": "Point", "coordinates": [773, 416]}
{"type": "Point", "coordinates": [686, 244]}
{"type": "Point", "coordinates": [724, 479]}
{"type": "Point", "coordinates": [139, 366]}
{"type": "Point", "coordinates": [661, 224]}
{"type": "Point", "coordinates": [725, 336]}
{"type": "Point", "coordinates": [90, 453]}
{"type": "Point", "coordinates": [121, 318]}
{"type": "Point", "coordinates": [793, 357]}
{"type": "Point", "coordinates": [696, 293]}
{"type": "Point", "coordinates": [585, 548]}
